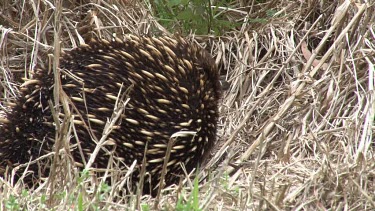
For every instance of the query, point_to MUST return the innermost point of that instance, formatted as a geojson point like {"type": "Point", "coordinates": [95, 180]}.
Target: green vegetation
{"type": "Point", "coordinates": [193, 202]}
{"type": "Point", "coordinates": [197, 16]}
{"type": "Point", "coordinates": [12, 203]}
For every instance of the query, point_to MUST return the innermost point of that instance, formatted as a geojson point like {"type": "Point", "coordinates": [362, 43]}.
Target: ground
{"type": "Point", "coordinates": [296, 125]}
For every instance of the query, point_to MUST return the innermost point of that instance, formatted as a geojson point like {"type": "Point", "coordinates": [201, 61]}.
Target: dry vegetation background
{"type": "Point", "coordinates": [296, 128]}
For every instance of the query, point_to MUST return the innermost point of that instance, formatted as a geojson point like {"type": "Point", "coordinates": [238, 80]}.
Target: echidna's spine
{"type": "Point", "coordinates": [24, 134]}
{"type": "Point", "coordinates": [174, 88]}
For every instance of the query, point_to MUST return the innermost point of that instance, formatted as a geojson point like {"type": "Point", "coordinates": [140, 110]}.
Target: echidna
{"type": "Point", "coordinates": [173, 87]}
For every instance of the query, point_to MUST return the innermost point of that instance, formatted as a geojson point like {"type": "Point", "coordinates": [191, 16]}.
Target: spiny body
{"type": "Point", "coordinates": [174, 87]}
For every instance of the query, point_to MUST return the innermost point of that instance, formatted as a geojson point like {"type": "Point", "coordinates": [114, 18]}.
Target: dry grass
{"type": "Point", "coordinates": [297, 123]}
